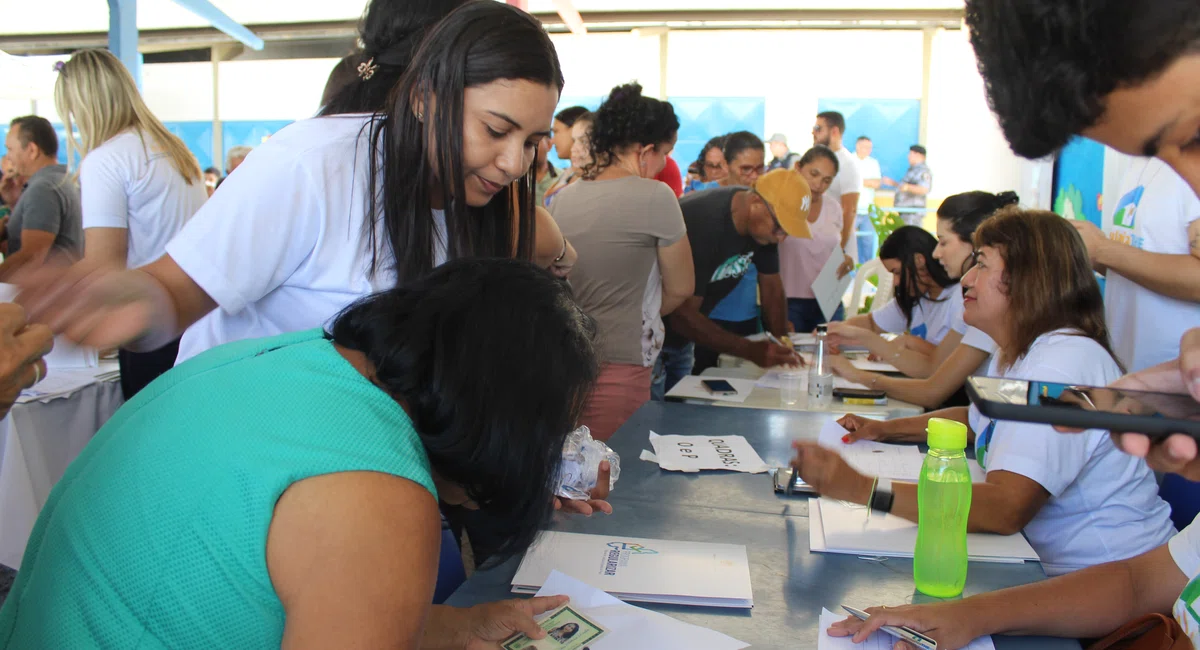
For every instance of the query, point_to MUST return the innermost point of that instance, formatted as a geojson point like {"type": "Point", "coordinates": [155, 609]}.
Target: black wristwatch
{"type": "Point", "coordinates": [882, 497]}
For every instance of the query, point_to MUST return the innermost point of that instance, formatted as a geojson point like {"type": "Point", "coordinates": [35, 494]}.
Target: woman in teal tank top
{"type": "Point", "coordinates": [284, 491]}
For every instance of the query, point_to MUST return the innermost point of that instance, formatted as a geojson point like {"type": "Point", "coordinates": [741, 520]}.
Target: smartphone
{"type": "Point", "coordinates": [787, 482]}
{"type": "Point", "coordinates": [718, 387]}
{"type": "Point", "coordinates": [858, 393]}
{"type": "Point", "coordinates": [1085, 407]}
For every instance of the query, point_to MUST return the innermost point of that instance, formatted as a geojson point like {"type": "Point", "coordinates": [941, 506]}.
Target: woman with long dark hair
{"type": "Point", "coordinates": [326, 449]}
{"type": "Point", "coordinates": [965, 350]}
{"type": "Point", "coordinates": [927, 301]}
{"type": "Point", "coordinates": [334, 208]}
{"type": "Point", "coordinates": [636, 261]}
{"type": "Point", "coordinates": [1079, 500]}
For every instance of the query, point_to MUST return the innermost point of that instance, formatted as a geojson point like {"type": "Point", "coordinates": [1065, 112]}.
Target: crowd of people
{"type": "Point", "coordinates": [443, 306]}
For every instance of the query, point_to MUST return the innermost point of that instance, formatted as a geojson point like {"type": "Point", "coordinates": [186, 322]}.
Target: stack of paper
{"type": "Point", "coordinates": [63, 382]}
{"type": "Point", "coordinates": [877, 641]}
{"type": "Point", "coordinates": [634, 628]}
{"type": "Point", "coordinates": [696, 453]}
{"type": "Point", "coordinates": [642, 570]}
{"type": "Point", "coordinates": [864, 362]}
{"type": "Point", "coordinates": [772, 379]}
{"type": "Point", "coordinates": [838, 527]}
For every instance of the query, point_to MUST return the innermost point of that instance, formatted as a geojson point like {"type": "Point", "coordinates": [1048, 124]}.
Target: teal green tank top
{"type": "Point", "coordinates": [156, 535]}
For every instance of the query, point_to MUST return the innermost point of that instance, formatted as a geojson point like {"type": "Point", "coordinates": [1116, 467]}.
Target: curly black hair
{"type": "Point", "coordinates": [1049, 64]}
{"type": "Point", "coordinates": [627, 117]}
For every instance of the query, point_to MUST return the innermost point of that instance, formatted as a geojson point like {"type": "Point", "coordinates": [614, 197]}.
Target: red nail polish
{"type": "Point", "coordinates": [846, 439]}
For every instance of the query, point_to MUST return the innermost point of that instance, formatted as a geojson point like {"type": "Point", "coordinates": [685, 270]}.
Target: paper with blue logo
{"type": "Point", "coordinates": [634, 628]}
{"type": "Point", "coordinates": [697, 453]}
{"type": "Point", "coordinates": [642, 570]}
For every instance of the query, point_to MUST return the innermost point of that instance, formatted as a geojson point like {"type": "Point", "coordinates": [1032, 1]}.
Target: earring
{"type": "Point", "coordinates": [420, 116]}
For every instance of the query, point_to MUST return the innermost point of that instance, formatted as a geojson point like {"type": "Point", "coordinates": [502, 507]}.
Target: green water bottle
{"type": "Point", "coordinates": [943, 502]}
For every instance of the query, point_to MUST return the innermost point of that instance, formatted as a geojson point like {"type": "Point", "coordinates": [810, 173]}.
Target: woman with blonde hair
{"type": "Point", "coordinates": [139, 182]}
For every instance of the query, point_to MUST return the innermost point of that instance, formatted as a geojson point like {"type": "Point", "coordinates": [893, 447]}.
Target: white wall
{"type": "Point", "coordinates": [967, 150]}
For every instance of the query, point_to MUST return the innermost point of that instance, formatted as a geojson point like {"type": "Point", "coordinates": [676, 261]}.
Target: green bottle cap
{"type": "Point", "coordinates": [947, 434]}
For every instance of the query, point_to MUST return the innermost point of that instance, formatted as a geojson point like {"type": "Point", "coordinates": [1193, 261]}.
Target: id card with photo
{"type": "Point", "coordinates": [566, 629]}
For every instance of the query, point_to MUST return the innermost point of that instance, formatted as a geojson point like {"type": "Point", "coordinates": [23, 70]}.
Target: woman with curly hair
{"type": "Point", "coordinates": [635, 259]}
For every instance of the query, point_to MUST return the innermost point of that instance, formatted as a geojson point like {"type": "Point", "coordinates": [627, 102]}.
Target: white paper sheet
{"type": "Point", "coordinates": [696, 453]}
{"type": "Point", "coordinates": [863, 362]}
{"type": "Point", "coordinates": [828, 287]}
{"type": "Point", "coordinates": [896, 462]}
{"type": "Point", "coordinates": [690, 388]}
{"type": "Point", "coordinates": [634, 628]}
{"type": "Point", "coordinates": [877, 641]}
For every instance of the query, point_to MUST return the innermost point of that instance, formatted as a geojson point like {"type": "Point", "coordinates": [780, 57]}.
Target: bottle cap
{"type": "Point", "coordinates": [823, 327]}
{"type": "Point", "coordinates": [947, 434]}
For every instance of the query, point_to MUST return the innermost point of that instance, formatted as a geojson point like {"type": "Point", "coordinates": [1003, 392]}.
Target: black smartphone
{"type": "Point", "coordinates": [718, 387]}
{"type": "Point", "coordinates": [858, 393]}
{"type": "Point", "coordinates": [1085, 407]}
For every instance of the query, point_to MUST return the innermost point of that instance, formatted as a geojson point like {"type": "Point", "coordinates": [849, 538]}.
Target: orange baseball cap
{"type": "Point", "coordinates": [788, 194]}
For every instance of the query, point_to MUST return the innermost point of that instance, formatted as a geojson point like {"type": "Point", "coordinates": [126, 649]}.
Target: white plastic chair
{"type": "Point", "coordinates": [883, 292]}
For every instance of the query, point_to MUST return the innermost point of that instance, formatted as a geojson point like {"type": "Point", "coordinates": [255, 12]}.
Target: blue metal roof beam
{"type": "Point", "coordinates": [220, 20]}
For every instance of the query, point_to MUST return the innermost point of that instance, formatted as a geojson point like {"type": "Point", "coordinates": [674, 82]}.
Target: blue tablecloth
{"type": "Point", "coordinates": [791, 585]}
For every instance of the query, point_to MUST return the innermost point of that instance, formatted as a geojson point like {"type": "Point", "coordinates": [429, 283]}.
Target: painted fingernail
{"type": "Point", "coordinates": [846, 439]}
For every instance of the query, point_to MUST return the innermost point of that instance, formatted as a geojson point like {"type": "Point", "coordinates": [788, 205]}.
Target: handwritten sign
{"type": "Point", "coordinates": [696, 453]}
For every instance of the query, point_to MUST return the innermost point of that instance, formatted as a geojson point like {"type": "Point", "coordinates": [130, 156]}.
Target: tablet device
{"type": "Point", "coordinates": [1085, 407]}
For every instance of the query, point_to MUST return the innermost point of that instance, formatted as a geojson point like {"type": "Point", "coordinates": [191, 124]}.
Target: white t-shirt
{"type": "Point", "coordinates": [1185, 550]}
{"type": "Point", "coordinates": [977, 339]}
{"type": "Point", "coordinates": [282, 247]}
{"type": "Point", "coordinates": [1154, 213]}
{"type": "Point", "coordinates": [931, 319]}
{"type": "Point", "coordinates": [128, 184]}
{"type": "Point", "coordinates": [1104, 504]}
{"type": "Point", "coordinates": [867, 169]}
{"type": "Point", "coordinates": [848, 179]}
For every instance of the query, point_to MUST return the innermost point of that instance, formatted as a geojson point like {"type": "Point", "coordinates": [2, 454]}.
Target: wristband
{"type": "Point", "coordinates": [882, 496]}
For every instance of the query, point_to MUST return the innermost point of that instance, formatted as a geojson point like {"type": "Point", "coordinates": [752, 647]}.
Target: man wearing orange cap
{"type": "Point", "coordinates": [728, 228]}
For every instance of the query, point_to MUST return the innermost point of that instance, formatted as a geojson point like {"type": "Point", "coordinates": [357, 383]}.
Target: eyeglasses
{"type": "Point", "coordinates": [778, 230]}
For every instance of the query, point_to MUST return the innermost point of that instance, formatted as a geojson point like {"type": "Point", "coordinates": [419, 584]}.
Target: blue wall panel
{"type": "Point", "coordinates": [892, 124]}
{"type": "Point", "coordinates": [1079, 180]}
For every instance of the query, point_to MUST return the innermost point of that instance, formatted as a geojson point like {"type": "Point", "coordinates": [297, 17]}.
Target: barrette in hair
{"type": "Point", "coordinates": [367, 69]}
{"type": "Point", "coordinates": [60, 67]}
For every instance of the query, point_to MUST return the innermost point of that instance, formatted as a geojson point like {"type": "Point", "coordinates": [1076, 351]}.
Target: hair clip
{"type": "Point", "coordinates": [60, 67]}
{"type": "Point", "coordinates": [367, 69]}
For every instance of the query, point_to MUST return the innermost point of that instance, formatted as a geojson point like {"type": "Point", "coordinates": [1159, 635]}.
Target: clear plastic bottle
{"type": "Point", "coordinates": [943, 502]}
{"type": "Point", "coordinates": [820, 375]}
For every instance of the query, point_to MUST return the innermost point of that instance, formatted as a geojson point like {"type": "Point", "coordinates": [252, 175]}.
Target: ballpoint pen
{"type": "Point", "coordinates": [771, 337]}
{"type": "Point", "coordinates": [903, 633]}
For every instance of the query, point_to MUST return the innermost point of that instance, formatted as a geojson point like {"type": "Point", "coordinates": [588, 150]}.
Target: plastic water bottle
{"type": "Point", "coordinates": [820, 376]}
{"type": "Point", "coordinates": [943, 502]}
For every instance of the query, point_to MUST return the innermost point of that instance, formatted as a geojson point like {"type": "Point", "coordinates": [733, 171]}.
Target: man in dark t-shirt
{"type": "Point", "coordinates": [728, 228]}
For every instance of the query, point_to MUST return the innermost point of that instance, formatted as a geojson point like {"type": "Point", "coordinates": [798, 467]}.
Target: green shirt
{"type": "Point", "coordinates": [156, 535]}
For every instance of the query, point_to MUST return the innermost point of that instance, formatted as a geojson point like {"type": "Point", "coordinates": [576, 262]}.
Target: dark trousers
{"type": "Point", "coordinates": [805, 314]}
{"type": "Point", "coordinates": [138, 369]}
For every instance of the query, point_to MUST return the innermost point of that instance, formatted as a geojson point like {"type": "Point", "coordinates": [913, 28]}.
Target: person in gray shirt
{"type": "Point", "coordinates": [48, 217]}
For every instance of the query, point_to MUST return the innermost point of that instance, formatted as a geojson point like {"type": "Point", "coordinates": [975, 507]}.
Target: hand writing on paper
{"type": "Point", "coordinates": [946, 623]}
{"type": "Point", "coordinates": [766, 354]}
{"type": "Point", "coordinates": [830, 474]}
{"type": "Point", "coordinates": [599, 495]}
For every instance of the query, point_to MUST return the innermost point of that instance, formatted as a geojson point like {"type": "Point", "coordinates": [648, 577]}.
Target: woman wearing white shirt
{"type": "Point", "coordinates": [1079, 500]}
{"type": "Point", "coordinates": [139, 182]}
{"type": "Point", "coordinates": [926, 304]}
{"type": "Point", "coordinates": [333, 208]}
{"type": "Point", "coordinates": [801, 260]}
{"type": "Point", "coordinates": [965, 350]}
